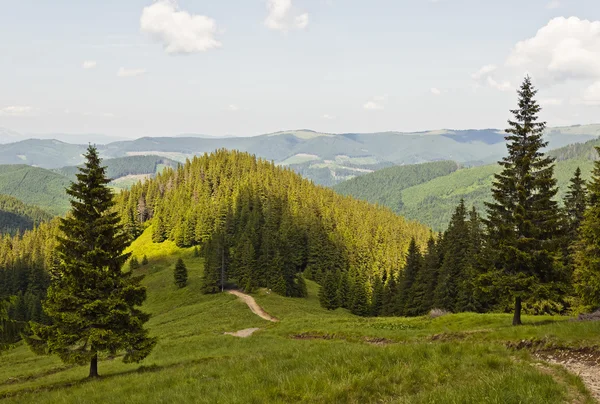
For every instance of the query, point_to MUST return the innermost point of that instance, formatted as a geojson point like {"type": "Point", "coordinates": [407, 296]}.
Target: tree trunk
{"type": "Point", "coordinates": [94, 366]}
{"type": "Point", "coordinates": [517, 316]}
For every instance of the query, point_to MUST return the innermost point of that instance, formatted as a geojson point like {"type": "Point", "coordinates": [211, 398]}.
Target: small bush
{"type": "Point", "coordinates": [134, 263]}
{"type": "Point", "coordinates": [145, 260]}
{"type": "Point", "coordinates": [435, 313]}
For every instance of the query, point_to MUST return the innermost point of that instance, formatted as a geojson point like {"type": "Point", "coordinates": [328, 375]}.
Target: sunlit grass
{"type": "Point", "coordinates": [451, 359]}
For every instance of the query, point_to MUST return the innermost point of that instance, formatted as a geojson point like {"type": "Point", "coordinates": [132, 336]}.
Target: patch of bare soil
{"type": "Point", "coordinates": [307, 335]}
{"type": "Point", "coordinates": [378, 341]}
{"type": "Point", "coordinates": [243, 333]}
{"type": "Point", "coordinates": [455, 336]}
{"type": "Point", "coordinates": [256, 309]}
{"type": "Point", "coordinates": [595, 316]}
{"type": "Point", "coordinates": [584, 362]}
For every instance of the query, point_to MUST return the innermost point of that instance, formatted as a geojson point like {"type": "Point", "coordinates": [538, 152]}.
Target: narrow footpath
{"type": "Point", "coordinates": [256, 309]}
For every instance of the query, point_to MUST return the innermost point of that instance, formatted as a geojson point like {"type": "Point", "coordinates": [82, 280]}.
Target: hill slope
{"type": "Point", "coordinates": [15, 216]}
{"type": "Point", "coordinates": [35, 186]}
{"type": "Point", "coordinates": [323, 157]}
{"type": "Point", "coordinates": [311, 355]}
{"type": "Point", "coordinates": [433, 202]}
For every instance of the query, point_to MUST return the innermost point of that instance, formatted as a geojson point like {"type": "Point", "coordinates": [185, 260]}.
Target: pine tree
{"type": "Point", "coordinates": [344, 290]}
{"type": "Point", "coordinates": [180, 274]}
{"type": "Point", "coordinates": [390, 297]}
{"type": "Point", "coordinates": [133, 263]}
{"type": "Point", "coordinates": [328, 293]}
{"type": "Point", "coordinates": [145, 260]}
{"type": "Point", "coordinates": [406, 305]}
{"type": "Point", "coordinates": [196, 252]}
{"type": "Point", "coordinates": [455, 260]}
{"type": "Point", "coordinates": [587, 248]}
{"type": "Point", "coordinates": [575, 204]}
{"type": "Point", "coordinates": [91, 301]}
{"type": "Point", "coordinates": [360, 298]}
{"type": "Point", "coordinates": [426, 281]}
{"type": "Point", "coordinates": [378, 296]}
{"type": "Point", "coordinates": [523, 219]}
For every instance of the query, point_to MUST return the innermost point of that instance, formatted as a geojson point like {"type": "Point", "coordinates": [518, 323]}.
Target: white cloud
{"type": "Point", "coordinates": [123, 72]}
{"type": "Point", "coordinates": [544, 102]}
{"type": "Point", "coordinates": [328, 117]}
{"type": "Point", "coordinates": [178, 31]}
{"type": "Point", "coordinates": [373, 106]}
{"type": "Point", "coordinates": [484, 72]}
{"type": "Point", "coordinates": [565, 49]}
{"type": "Point", "coordinates": [435, 91]}
{"type": "Point", "coordinates": [89, 64]}
{"type": "Point", "coordinates": [500, 86]}
{"type": "Point", "coordinates": [233, 108]}
{"type": "Point", "coordinates": [553, 5]}
{"type": "Point", "coordinates": [281, 16]}
{"type": "Point", "coordinates": [15, 110]}
{"type": "Point", "coordinates": [591, 95]}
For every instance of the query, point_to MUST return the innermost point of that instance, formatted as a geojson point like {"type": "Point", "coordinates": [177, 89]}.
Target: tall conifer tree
{"type": "Point", "coordinates": [414, 262]}
{"type": "Point", "coordinates": [93, 303]}
{"type": "Point", "coordinates": [523, 218]}
{"type": "Point", "coordinates": [575, 204]}
{"type": "Point", "coordinates": [587, 249]}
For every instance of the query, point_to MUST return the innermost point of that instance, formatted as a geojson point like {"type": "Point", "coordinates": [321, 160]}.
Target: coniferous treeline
{"type": "Point", "coordinates": [260, 225]}
{"type": "Point", "coordinates": [16, 216]}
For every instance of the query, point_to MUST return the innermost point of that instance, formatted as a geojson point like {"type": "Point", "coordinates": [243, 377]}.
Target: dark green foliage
{"type": "Point", "coordinates": [196, 252]}
{"type": "Point", "coordinates": [91, 301]}
{"type": "Point", "coordinates": [377, 300]}
{"type": "Point", "coordinates": [133, 263]}
{"type": "Point", "coordinates": [406, 299]}
{"type": "Point", "coordinates": [455, 261]}
{"type": "Point", "coordinates": [328, 294]}
{"type": "Point", "coordinates": [426, 281]}
{"type": "Point", "coordinates": [385, 186]}
{"type": "Point", "coordinates": [180, 274]}
{"type": "Point", "coordinates": [587, 248]}
{"type": "Point", "coordinates": [123, 166]}
{"type": "Point", "coordinates": [390, 297]}
{"type": "Point", "coordinates": [575, 204]}
{"type": "Point", "coordinates": [360, 299]}
{"type": "Point", "coordinates": [16, 217]}
{"type": "Point", "coordinates": [344, 290]}
{"type": "Point", "coordinates": [145, 260]}
{"type": "Point", "coordinates": [523, 219]}
{"type": "Point", "coordinates": [259, 225]}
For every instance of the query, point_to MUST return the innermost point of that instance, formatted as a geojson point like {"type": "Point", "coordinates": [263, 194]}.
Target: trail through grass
{"type": "Point", "coordinates": [311, 355]}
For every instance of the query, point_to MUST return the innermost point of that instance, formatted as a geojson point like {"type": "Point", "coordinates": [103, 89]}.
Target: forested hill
{"type": "Point", "coordinates": [267, 223]}
{"type": "Point", "coordinates": [35, 186]}
{"type": "Point", "coordinates": [383, 186]}
{"type": "Point", "coordinates": [432, 201]}
{"type": "Point", "coordinates": [125, 166]}
{"type": "Point", "coordinates": [15, 216]}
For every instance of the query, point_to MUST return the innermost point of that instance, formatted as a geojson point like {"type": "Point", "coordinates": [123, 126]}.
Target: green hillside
{"type": "Point", "coordinates": [126, 166]}
{"type": "Point", "coordinates": [35, 186]}
{"type": "Point", "coordinates": [15, 216]}
{"type": "Point", "coordinates": [310, 355]}
{"type": "Point", "coordinates": [384, 186]}
{"type": "Point", "coordinates": [432, 202]}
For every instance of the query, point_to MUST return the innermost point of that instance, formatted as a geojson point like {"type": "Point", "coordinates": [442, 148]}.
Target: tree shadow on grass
{"type": "Point", "coordinates": [61, 385]}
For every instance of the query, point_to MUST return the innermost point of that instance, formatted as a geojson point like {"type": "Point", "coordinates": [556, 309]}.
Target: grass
{"type": "Point", "coordinates": [311, 355]}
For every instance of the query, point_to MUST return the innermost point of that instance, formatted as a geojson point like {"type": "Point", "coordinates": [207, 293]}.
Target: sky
{"type": "Point", "coordinates": [133, 68]}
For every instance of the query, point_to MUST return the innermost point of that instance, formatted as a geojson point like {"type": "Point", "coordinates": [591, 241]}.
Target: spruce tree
{"type": "Point", "coordinates": [344, 290]}
{"type": "Point", "coordinates": [523, 219]}
{"type": "Point", "coordinates": [328, 294]}
{"type": "Point", "coordinates": [390, 297]}
{"type": "Point", "coordinates": [414, 261]}
{"type": "Point", "coordinates": [92, 302]}
{"type": "Point", "coordinates": [180, 273]}
{"type": "Point", "coordinates": [455, 260]}
{"type": "Point", "coordinates": [145, 260]}
{"type": "Point", "coordinates": [133, 263]}
{"type": "Point", "coordinates": [360, 298]}
{"type": "Point", "coordinates": [587, 248]}
{"type": "Point", "coordinates": [426, 280]}
{"type": "Point", "coordinates": [378, 296]}
{"type": "Point", "coordinates": [575, 204]}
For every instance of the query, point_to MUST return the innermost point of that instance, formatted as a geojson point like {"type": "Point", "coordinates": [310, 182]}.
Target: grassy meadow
{"type": "Point", "coordinates": [311, 355]}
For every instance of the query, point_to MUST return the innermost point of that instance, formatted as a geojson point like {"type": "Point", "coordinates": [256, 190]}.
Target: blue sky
{"type": "Point", "coordinates": [245, 67]}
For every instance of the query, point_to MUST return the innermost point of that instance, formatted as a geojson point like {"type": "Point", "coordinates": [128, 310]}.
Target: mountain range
{"type": "Point", "coordinates": [325, 158]}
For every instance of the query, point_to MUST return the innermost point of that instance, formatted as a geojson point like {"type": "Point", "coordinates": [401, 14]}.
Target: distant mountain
{"type": "Point", "coordinates": [325, 158]}
{"type": "Point", "coordinates": [9, 136]}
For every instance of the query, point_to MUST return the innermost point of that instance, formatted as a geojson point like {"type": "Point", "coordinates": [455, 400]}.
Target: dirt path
{"type": "Point", "coordinates": [583, 364]}
{"type": "Point", "coordinates": [256, 309]}
{"type": "Point", "coordinates": [243, 333]}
